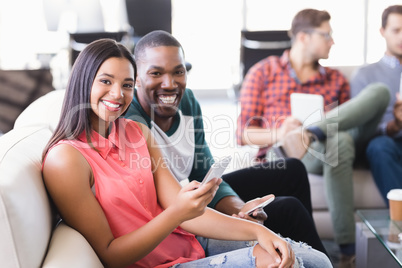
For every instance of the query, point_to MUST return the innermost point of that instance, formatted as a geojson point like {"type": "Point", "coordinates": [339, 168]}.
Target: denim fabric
{"type": "Point", "coordinates": [214, 247]}
{"type": "Point", "coordinates": [287, 179]}
{"type": "Point", "coordinates": [385, 157]}
{"type": "Point", "coordinates": [241, 255]}
{"type": "Point", "coordinates": [236, 258]}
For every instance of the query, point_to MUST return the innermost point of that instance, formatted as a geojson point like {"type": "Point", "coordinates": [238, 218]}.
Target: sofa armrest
{"type": "Point", "coordinates": [68, 248]}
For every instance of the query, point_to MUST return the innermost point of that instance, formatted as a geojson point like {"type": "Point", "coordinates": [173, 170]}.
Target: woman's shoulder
{"type": "Point", "coordinates": [64, 152]}
{"type": "Point", "coordinates": [63, 158]}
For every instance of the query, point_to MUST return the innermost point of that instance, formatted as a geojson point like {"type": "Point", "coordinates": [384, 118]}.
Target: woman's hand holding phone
{"type": "Point", "coordinates": [192, 199]}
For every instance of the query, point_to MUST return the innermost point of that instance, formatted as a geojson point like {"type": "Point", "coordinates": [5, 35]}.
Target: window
{"type": "Point", "coordinates": [209, 31]}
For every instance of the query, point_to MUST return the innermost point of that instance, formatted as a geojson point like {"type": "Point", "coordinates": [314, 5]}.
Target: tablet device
{"type": "Point", "coordinates": [308, 108]}
{"type": "Point", "coordinates": [217, 169]}
{"type": "Point", "coordinates": [400, 87]}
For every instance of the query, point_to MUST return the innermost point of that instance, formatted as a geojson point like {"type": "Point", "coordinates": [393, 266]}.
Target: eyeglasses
{"type": "Point", "coordinates": [327, 36]}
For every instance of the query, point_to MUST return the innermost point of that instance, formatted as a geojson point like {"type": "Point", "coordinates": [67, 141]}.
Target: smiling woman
{"type": "Point", "coordinates": [112, 92]}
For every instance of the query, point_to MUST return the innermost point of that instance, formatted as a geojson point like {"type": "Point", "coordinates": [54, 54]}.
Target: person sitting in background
{"type": "Point", "coordinates": [265, 118]}
{"type": "Point", "coordinates": [384, 153]}
{"type": "Point", "coordinates": [162, 102]}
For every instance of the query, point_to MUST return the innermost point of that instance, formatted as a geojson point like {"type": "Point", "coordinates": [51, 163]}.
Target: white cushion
{"type": "Point", "coordinates": [45, 111]}
{"type": "Point", "coordinates": [25, 213]}
{"type": "Point", "coordinates": [68, 248]}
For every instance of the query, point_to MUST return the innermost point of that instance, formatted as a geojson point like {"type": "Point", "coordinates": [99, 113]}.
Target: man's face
{"type": "Point", "coordinates": [393, 35]}
{"type": "Point", "coordinates": [320, 41]}
{"type": "Point", "coordinates": [161, 82]}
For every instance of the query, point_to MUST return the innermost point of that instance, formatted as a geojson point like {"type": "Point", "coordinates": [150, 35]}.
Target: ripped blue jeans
{"type": "Point", "coordinates": [231, 254]}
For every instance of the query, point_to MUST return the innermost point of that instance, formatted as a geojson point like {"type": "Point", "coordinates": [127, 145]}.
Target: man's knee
{"type": "Point", "coordinates": [289, 204]}
{"type": "Point", "coordinates": [379, 145]}
{"type": "Point", "coordinates": [382, 94]}
{"type": "Point", "coordinates": [296, 165]}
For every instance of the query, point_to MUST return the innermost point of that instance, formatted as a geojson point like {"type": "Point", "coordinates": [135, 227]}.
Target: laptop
{"type": "Point", "coordinates": [308, 108]}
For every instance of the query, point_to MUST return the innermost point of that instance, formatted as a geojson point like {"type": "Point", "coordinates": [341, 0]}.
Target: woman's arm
{"type": "Point", "coordinates": [194, 199]}
{"type": "Point", "coordinates": [211, 224]}
{"type": "Point", "coordinates": [67, 176]}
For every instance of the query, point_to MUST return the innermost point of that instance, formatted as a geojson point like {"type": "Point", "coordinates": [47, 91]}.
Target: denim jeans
{"type": "Point", "coordinates": [240, 254]}
{"type": "Point", "coordinates": [287, 179]}
{"type": "Point", "coordinates": [385, 157]}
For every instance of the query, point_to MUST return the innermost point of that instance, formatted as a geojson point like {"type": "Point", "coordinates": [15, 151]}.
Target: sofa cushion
{"type": "Point", "coordinates": [45, 111]}
{"type": "Point", "coordinates": [25, 212]}
{"type": "Point", "coordinates": [366, 193]}
{"type": "Point", "coordinates": [68, 248]}
{"type": "Point", "coordinates": [366, 196]}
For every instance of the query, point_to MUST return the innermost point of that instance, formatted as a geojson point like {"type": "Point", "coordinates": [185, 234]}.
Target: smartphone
{"type": "Point", "coordinates": [263, 204]}
{"type": "Point", "coordinates": [217, 169]}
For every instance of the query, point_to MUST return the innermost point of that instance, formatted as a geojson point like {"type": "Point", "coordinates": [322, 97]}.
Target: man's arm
{"type": "Point", "coordinates": [264, 137]}
{"type": "Point", "coordinates": [253, 128]}
{"type": "Point", "coordinates": [203, 159]}
{"type": "Point", "coordinates": [226, 199]}
{"type": "Point", "coordinates": [230, 205]}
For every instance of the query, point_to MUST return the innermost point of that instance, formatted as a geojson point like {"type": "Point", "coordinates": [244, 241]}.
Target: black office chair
{"type": "Point", "coordinates": [78, 41]}
{"type": "Point", "coordinates": [260, 44]}
{"type": "Point", "coordinates": [145, 16]}
{"type": "Point", "coordinates": [257, 45]}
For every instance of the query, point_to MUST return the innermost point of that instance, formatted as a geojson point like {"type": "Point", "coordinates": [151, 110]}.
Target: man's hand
{"type": "Point", "coordinates": [394, 126]}
{"type": "Point", "coordinates": [259, 214]}
{"type": "Point", "coordinates": [398, 111]}
{"type": "Point", "coordinates": [234, 206]}
{"type": "Point", "coordinates": [288, 125]}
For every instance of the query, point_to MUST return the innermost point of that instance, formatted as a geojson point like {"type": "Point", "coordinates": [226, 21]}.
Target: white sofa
{"type": "Point", "coordinates": [29, 236]}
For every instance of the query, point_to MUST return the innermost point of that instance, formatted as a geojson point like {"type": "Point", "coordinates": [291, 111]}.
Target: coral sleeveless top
{"type": "Point", "coordinates": [125, 189]}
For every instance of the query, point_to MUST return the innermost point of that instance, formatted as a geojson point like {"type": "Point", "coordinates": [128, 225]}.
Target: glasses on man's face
{"type": "Point", "coordinates": [327, 36]}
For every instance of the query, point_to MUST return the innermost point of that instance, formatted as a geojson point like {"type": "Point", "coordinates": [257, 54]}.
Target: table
{"type": "Point", "coordinates": [377, 240]}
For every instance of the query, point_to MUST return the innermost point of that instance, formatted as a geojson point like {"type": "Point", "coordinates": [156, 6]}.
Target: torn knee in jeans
{"type": "Point", "coordinates": [220, 259]}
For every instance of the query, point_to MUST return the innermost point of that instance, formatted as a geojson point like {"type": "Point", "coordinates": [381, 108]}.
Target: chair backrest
{"type": "Point", "coordinates": [78, 41]}
{"type": "Point", "coordinates": [146, 16]}
{"type": "Point", "coordinates": [256, 45]}
{"type": "Point", "coordinates": [18, 89]}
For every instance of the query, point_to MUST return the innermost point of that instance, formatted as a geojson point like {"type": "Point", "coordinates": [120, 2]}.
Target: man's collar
{"type": "Point", "coordinates": [284, 60]}
{"type": "Point", "coordinates": [390, 61]}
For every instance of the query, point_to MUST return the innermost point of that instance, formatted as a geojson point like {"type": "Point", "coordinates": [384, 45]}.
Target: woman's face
{"type": "Point", "coordinates": [112, 91]}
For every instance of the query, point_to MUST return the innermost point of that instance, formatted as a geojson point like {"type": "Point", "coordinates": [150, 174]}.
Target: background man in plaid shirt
{"type": "Point", "coordinates": [265, 116]}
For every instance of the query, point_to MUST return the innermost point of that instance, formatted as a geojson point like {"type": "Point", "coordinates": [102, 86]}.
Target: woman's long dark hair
{"type": "Point", "coordinates": [75, 113]}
